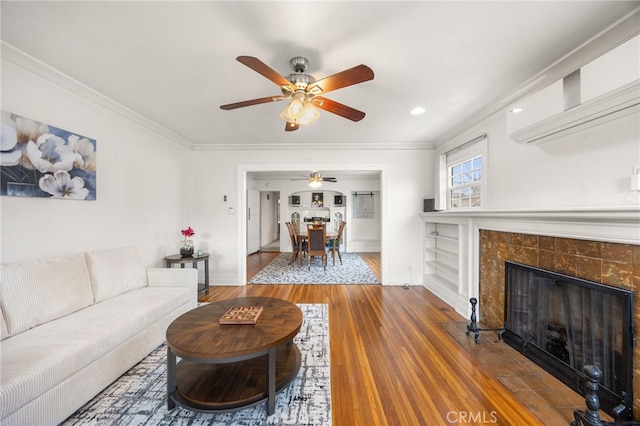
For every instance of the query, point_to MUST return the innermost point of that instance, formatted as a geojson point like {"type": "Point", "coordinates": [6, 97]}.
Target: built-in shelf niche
{"type": "Point", "coordinates": [442, 257]}
{"type": "Point", "coordinates": [305, 200]}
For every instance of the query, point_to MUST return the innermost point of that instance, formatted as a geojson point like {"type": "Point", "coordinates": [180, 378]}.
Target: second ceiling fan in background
{"type": "Point", "coordinates": [315, 180]}
{"type": "Point", "coordinates": [304, 91]}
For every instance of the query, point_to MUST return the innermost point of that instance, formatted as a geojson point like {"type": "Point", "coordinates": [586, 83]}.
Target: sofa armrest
{"type": "Point", "coordinates": [175, 277]}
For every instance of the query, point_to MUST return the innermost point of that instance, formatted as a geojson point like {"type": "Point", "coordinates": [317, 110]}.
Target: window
{"type": "Point", "coordinates": [464, 187]}
{"type": "Point", "coordinates": [462, 177]}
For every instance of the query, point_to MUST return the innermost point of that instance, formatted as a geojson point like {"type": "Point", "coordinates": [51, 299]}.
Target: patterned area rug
{"type": "Point", "coordinates": [353, 270]}
{"type": "Point", "coordinates": [139, 397]}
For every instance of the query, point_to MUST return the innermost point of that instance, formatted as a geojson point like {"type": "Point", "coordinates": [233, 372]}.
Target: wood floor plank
{"type": "Point", "coordinates": [392, 363]}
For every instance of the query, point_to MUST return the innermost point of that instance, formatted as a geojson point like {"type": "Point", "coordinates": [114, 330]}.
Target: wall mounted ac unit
{"type": "Point", "coordinates": [604, 89]}
{"type": "Point", "coordinates": [615, 104]}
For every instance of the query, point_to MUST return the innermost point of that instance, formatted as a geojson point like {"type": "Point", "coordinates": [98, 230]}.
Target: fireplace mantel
{"type": "Point", "coordinates": [596, 213]}
{"type": "Point", "coordinates": [613, 224]}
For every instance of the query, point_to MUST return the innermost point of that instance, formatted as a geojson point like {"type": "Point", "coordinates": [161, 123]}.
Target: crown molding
{"type": "Point", "coordinates": [421, 146]}
{"type": "Point", "coordinates": [29, 65]}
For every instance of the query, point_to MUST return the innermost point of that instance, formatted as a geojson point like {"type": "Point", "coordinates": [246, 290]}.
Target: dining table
{"type": "Point", "coordinates": [301, 235]}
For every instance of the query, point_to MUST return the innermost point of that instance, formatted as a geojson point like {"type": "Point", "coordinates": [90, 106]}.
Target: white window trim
{"type": "Point", "coordinates": [449, 158]}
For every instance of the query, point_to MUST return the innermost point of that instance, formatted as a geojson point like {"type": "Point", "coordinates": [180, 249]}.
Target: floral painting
{"type": "Point", "coordinates": [39, 160]}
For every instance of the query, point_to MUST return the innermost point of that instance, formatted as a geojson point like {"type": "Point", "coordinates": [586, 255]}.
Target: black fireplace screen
{"type": "Point", "coordinates": [564, 323]}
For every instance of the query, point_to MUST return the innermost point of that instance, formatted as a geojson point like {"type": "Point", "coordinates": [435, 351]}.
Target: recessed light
{"type": "Point", "coordinates": [515, 110]}
{"type": "Point", "coordinates": [418, 110]}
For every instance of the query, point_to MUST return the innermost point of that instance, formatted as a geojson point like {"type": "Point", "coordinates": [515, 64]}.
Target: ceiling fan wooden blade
{"type": "Point", "coordinates": [290, 127]}
{"type": "Point", "coordinates": [355, 75]}
{"type": "Point", "coordinates": [261, 68]}
{"type": "Point", "coordinates": [252, 102]}
{"type": "Point", "coordinates": [338, 108]}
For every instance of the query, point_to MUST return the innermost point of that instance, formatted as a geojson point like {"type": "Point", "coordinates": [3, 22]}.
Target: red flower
{"type": "Point", "coordinates": [189, 232]}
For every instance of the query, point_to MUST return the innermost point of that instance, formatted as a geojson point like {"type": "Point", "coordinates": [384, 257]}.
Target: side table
{"type": "Point", "coordinates": [204, 257]}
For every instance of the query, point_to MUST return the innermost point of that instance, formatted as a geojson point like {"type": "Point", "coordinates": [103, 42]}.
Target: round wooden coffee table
{"type": "Point", "coordinates": [228, 367]}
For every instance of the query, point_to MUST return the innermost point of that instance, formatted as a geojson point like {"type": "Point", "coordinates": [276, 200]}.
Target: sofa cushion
{"type": "Point", "coordinates": [114, 272]}
{"type": "Point", "coordinates": [4, 331]}
{"type": "Point", "coordinates": [39, 291]}
{"type": "Point", "coordinates": [37, 360]}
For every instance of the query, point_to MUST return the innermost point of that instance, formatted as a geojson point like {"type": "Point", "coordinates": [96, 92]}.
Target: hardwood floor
{"type": "Point", "coordinates": [392, 363]}
{"type": "Point", "coordinates": [401, 357]}
{"type": "Point", "coordinates": [373, 261]}
{"type": "Point", "coordinates": [257, 261]}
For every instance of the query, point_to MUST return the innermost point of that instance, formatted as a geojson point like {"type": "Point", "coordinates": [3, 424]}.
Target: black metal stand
{"type": "Point", "coordinates": [590, 416]}
{"type": "Point", "coordinates": [473, 325]}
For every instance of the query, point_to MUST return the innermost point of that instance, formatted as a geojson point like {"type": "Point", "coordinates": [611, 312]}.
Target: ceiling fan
{"type": "Point", "coordinates": [304, 91]}
{"type": "Point", "coordinates": [315, 180]}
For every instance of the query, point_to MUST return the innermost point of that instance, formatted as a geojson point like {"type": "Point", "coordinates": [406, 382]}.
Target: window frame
{"type": "Point", "coordinates": [457, 156]}
{"type": "Point", "coordinates": [465, 182]}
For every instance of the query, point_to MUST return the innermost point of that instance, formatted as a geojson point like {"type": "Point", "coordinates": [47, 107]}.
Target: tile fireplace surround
{"type": "Point", "coordinates": [614, 264]}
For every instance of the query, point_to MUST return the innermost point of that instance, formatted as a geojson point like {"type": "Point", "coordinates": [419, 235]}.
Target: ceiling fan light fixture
{"type": "Point", "coordinates": [315, 183]}
{"type": "Point", "coordinates": [309, 113]}
{"type": "Point", "coordinates": [315, 180]}
{"type": "Point", "coordinates": [300, 110]}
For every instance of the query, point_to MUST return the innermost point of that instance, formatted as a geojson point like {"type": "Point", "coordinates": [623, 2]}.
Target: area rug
{"type": "Point", "coordinates": [139, 397]}
{"type": "Point", "coordinates": [353, 270]}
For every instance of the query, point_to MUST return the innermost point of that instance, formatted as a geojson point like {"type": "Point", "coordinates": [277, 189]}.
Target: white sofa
{"type": "Point", "coordinates": [73, 324]}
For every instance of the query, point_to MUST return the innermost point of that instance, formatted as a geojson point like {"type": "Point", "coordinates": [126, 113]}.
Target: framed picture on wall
{"type": "Point", "coordinates": [317, 199]}
{"type": "Point", "coordinates": [40, 160]}
{"type": "Point", "coordinates": [338, 200]}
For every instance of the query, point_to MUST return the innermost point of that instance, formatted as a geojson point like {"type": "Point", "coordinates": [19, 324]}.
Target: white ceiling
{"type": "Point", "coordinates": [174, 62]}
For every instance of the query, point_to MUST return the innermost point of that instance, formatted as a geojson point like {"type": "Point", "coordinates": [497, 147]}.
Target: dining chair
{"type": "Point", "coordinates": [296, 246]}
{"type": "Point", "coordinates": [295, 220]}
{"type": "Point", "coordinates": [316, 245]}
{"type": "Point", "coordinates": [334, 244]}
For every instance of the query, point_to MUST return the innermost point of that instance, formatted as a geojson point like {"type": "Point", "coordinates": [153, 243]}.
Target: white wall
{"type": "Point", "coordinates": [406, 179]}
{"type": "Point", "coordinates": [587, 169]}
{"type": "Point", "coordinates": [144, 178]}
{"type": "Point", "coordinates": [363, 233]}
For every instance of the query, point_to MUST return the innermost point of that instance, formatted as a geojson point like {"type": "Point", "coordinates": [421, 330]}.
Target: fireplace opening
{"type": "Point", "coordinates": [563, 323]}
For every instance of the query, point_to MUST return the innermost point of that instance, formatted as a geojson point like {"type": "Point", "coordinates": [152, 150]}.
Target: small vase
{"type": "Point", "coordinates": [187, 248]}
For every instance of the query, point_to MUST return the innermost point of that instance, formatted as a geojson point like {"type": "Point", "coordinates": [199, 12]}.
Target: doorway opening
{"type": "Point", "coordinates": [282, 179]}
{"type": "Point", "coordinates": [270, 221]}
